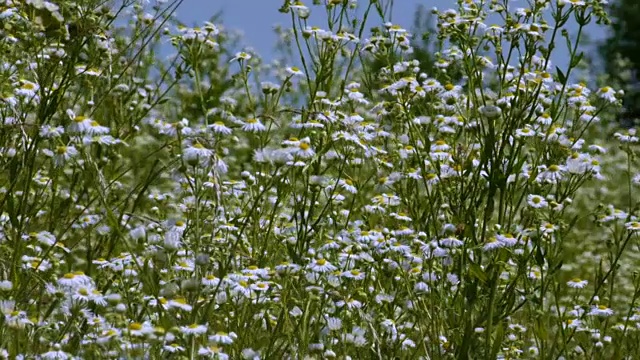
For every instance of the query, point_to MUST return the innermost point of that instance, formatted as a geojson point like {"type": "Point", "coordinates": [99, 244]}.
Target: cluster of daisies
{"type": "Point", "coordinates": [336, 211]}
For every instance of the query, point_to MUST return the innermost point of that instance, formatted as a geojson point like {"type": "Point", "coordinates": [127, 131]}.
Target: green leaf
{"type": "Point", "coordinates": [497, 341]}
{"type": "Point", "coordinates": [476, 272]}
{"type": "Point", "coordinates": [507, 305]}
{"type": "Point", "coordinates": [539, 257]}
{"type": "Point", "coordinates": [558, 266]}
{"type": "Point", "coordinates": [284, 8]}
{"type": "Point", "coordinates": [576, 60]}
{"type": "Point", "coordinates": [561, 77]}
{"type": "Point", "coordinates": [541, 332]}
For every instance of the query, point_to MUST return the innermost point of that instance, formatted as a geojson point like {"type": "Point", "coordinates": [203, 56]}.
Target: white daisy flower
{"type": "Point", "coordinates": [303, 149]}
{"type": "Point", "coordinates": [321, 266]}
{"type": "Point", "coordinates": [253, 125]}
{"type": "Point", "coordinates": [27, 89]}
{"type": "Point", "coordinates": [219, 127]}
{"type": "Point", "coordinates": [492, 244]}
{"type": "Point", "coordinates": [600, 310]}
{"type": "Point", "coordinates": [197, 153]}
{"type": "Point", "coordinates": [79, 124]}
{"type": "Point", "coordinates": [193, 329]}
{"type": "Point", "coordinates": [577, 283]}
{"type": "Point", "coordinates": [607, 93]}
{"type": "Point", "coordinates": [223, 338]}
{"type": "Point", "coordinates": [536, 201]}
{"type": "Point", "coordinates": [633, 226]}
{"type": "Point", "coordinates": [294, 71]}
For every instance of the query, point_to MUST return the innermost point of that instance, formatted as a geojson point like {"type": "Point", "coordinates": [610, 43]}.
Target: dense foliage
{"type": "Point", "coordinates": [357, 198]}
{"type": "Point", "coordinates": [621, 54]}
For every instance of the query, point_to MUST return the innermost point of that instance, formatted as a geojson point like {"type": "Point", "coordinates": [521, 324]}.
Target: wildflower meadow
{"type": "Point", "coordinates": [166, 193]}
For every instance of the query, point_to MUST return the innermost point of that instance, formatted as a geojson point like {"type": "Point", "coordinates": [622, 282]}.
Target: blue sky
{"type": "Point", "coordinates": [256, 20]}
